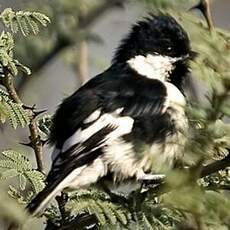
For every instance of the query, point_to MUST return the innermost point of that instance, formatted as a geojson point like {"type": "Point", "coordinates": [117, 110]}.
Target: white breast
{"type": "Point", "coordinates": [153, 66]}
{"type": "Point", "coordinates": [174, 95]}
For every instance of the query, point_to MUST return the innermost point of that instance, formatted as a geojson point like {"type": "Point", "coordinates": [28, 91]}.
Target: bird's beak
{"type": "Point", "coordinates": [190, 56]}
{"type": "Point", "coordinates": [193, 55]}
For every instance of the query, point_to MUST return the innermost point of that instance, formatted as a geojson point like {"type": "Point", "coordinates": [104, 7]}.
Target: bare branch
{"type": "Point", "coordinates": [8, 83]}
{"type": "Point", "coordinates": [36, 142]}
{"type": "Point", "coordinates": [82, 62]}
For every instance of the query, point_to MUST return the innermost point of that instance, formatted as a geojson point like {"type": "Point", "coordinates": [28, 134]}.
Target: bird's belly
{"type": "Point", "coordinates": [168, 145]}
{"type": "Point", "coordinates": [154, 145]}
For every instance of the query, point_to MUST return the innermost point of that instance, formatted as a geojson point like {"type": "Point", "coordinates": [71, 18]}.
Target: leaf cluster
{"type": "Point", "coordinates": [94, 202]}
{"type": "Point", "coordinates": [16, 165]}
{"type": "Point", "coordinates": [24, 21]}
{"type": "Point", "coordinates": [12, 111]}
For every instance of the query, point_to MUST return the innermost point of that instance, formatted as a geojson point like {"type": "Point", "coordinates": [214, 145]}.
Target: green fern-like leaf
{"type": "Point", "coordinates": [15, 164]}
{"type": "Point", "coordinates": [7, 60]}
{"type": "Point", "coordinates": [6, 53]}
{"type": "Point", "coordinates": [44, 125]}
{"type": "Point", "coordinates": [12, 111]}
{"type": "Point", "coordinates": [146, 224]}
{"type": "Point", "coordinates": [17, 195]}
{"type": "Point", "coordinates": [18, 160]}
{"type": "Point", "coordinates": [22, 23]}
{"type": "Point", "coordinates": [22, 67]}
{"type": "Point", "coordinates": [25, 21]}
{"type": "Point", "coordinates": [97, 203]}
{"type": "Point", "coordinates": [36, 180]}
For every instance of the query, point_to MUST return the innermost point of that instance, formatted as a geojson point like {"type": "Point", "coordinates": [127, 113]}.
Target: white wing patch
{"type": "Point", "coordinates": [123, 125]}
{"type": "Point", "coordinates": [94, 116]}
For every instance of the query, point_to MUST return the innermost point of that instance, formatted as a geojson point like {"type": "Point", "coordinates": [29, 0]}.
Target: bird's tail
{"type": "Point", "coordinates": [58, 184]}
{"type": "Point", "coordinates": [69, 171]}
{"type": "Point", "coordinates": [40, 201]}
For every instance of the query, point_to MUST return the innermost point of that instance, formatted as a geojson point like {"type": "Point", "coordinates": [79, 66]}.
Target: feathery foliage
{"type": "Point", "coordinates": [44, 124]}
{"type": "Point", "coordinates": [15, 168]}
{"type": "Point", "coordinates": [16, 165]}
{"type": "Point", "coordinates": [12, 111]}
{"type": "Point", "coordinates": [7, 61]}
{"type": "Point", "coordinates": [24, 21]}
{"type": "Point", "coordinates": [97, 203]}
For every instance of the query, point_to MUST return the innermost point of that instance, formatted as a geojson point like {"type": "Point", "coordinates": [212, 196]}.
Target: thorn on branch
{"type": "Point", "coordinates": [26, 144]}
{"type": "Point", "coordinates": [32, 109]}
{"type": "Point", "coordinates": [204, 7]}
{"type": "Point", "coordinates": [37, 113]}
{"type": "Point", "coordinates": [29, 144]}
{"type": "Point", "coordinates": [43, 142]}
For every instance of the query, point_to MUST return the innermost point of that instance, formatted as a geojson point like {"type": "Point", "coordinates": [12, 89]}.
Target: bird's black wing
{"type": "Point", "coordinates": [146, 101]}
{"type": "Point", "coordinates": [131, 95]}
{"type": "Point", "coordinates": [117, 96]}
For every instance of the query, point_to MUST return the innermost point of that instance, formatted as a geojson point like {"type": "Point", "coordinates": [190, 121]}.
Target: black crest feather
{"type": "Point", "coordinates": [154, 34]}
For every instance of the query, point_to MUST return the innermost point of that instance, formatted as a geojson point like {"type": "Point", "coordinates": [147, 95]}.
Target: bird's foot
{"type": "Point", "coordinates": [147, 179]}
{"type": "Point", "coordinates": [142, 176]}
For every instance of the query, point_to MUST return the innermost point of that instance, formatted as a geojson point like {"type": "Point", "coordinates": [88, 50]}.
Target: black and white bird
{"type": "Point", "coordinates": [127, 122]}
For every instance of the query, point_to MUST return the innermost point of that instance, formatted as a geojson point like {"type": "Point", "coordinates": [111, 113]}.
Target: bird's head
{"type": "Point", "coordinates": [156, 47]}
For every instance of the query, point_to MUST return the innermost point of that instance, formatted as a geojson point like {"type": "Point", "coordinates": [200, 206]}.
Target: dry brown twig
{"type": "Point", "coordinates": [35, 140]}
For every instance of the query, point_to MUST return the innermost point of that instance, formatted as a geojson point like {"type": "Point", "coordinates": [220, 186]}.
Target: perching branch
{"type": "Point", "coordinates": [203, 172]}
{"type": "Point", "coordinates": [35, 139]}
{"type": "Point", "coordinates": [215, 166]}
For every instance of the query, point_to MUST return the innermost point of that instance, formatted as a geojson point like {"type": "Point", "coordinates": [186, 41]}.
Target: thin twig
{"type": "Point", "coordinates": [215, 166]}
{"type": "Point", "coordinates": [8, 83]}
{"type": "Point", "coordinates": [36, 143]}
{"type": "Point", "coordinates": [204, 7]}
{"type": "Point", "coordinates": [61, 200]}
{"type": "Point", "coordinates": [35, 139]}
{"type": "Point", "coordinates": [207, 13]}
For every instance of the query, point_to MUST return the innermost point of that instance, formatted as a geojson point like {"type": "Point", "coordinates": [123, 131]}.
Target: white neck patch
{"type": "Point", "coordinates": [153, 66]}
